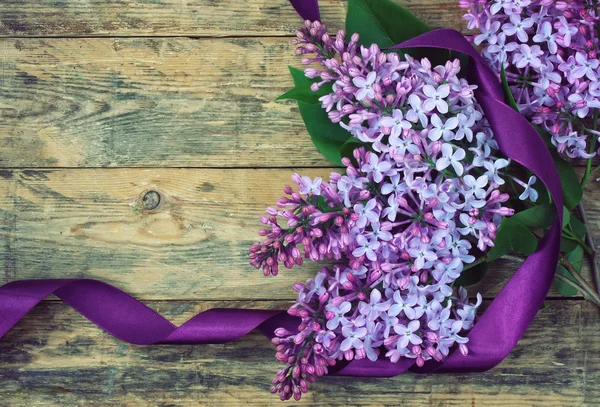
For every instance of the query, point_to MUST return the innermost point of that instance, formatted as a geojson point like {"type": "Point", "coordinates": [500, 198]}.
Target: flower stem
{"type": "Point", "coordinates": [590, 241]}
{"type": "Point", "coordinates": [580, 284]}
{"type": "Point", "coordinates": [583, 285]}
{"type": "Point", "coordinates": [588, 170]}
{"type": "Point", "coordinates": [572, 236]}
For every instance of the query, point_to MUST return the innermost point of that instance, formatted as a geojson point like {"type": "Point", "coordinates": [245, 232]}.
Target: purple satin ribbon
{"type": "Point", "coordinates": [492, 338]}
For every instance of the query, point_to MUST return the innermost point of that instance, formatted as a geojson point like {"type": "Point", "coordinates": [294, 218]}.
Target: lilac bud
{"type": "Point", "coordinates": [436, 147]}
{"type": "Point", "coordinates": [390, 341]}
{"type": "Point", "coordinates": [364, 194]}
{"type": "Point", "coordinates": [420, 361]}
{"type": "Point", "coordinates": [281, 332]}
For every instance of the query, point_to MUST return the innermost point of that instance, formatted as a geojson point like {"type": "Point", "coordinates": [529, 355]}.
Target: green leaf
{"type": "Point", "coordinates": [567, 245]}
{"type": "Point", "coordinates": [540, 216]}
{"type": "Point", "coordinates": [382, 22]}
{"type": "Point", "coordinates": [569, 181]}
{"type": "Point", "coordinates": [512, 236]}
{"type": "Point", "coordinates": [508, 96]}
{"type": "Point", "coordinates": [576, 258]}
{"type": "Point", "coordinates": [577, 227]}
{"type": "Point", "coordinates": [302, 90]}
{"type": "Point", "coordinates": [350, 145]}
{"type": "Point", "coordinates": [319, 125]}
{"type": "Point", "coordinates": [562, 287]}
{"type": "Point", "coordinates": [472, 276]}
{"type": "Point", "coordinates": [572, 192]}
{"type": "Point", "coordinates": [328, 137]}
{"type": "Point", "coordinates": [386, 24]}
{"type": "Point", "coordinates": [566, 217]}
{"type": "Point", "coordinates": [323, 206]}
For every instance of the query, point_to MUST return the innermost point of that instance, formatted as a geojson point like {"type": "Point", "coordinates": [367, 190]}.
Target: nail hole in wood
{"type": "Point", "coordinates": [151, 200]}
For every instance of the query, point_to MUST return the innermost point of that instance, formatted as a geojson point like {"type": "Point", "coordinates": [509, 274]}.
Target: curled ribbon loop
{"type": "Point", "coordinates": [129, 320]}
{"type": "Point", "coordinates": [492, 338]}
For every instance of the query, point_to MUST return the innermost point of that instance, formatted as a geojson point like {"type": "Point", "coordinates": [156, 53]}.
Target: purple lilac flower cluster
{"type": "Point", "coordinates": [549, 49]}
{"type": "Point", "coordinates": [401, 224]}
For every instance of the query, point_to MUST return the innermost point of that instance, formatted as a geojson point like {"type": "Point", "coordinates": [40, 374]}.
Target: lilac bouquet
{"type": "Point", "coordinates": [420, 202]}
{"type": "Point", "coordinates": [549, 50]}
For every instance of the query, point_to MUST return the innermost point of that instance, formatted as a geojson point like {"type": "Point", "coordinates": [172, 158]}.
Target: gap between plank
{"type": "Point", "coordinates": [149, 36]}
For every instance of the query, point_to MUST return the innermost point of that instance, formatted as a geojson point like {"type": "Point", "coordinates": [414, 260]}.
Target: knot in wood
{"type": "Point", "coordinates": [151, 200]}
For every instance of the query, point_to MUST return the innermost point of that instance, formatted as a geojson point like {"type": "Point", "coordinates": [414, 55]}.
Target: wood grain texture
{"type": "Point", "coordinates": [194, 245]}
{"type": "Point", "coordinates": [165, 102]}
{"type": "Point", "coordinates": [55, 357]}
{"type": "Point", "coordinates": [185, 18]}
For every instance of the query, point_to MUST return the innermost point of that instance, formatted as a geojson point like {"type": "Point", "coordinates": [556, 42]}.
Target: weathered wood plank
{"type": "Point", "coordinates": [149, 102]}
{"type": "Point", "coordinates": [55, 357]}
{"type": "Point", "coordinates": [592, 207]}
{"type": "Point", "coordinates": [194, 245]}
{"type": "Point", "coordinates": [185, 18]}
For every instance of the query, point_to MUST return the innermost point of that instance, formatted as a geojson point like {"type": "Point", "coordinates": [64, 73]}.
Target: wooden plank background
{"type": "Point", "coordinates": [104, 101]}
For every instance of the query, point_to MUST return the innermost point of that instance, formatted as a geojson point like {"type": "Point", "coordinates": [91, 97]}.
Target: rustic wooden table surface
{"type": "Point", "coordinates": [102, 102]}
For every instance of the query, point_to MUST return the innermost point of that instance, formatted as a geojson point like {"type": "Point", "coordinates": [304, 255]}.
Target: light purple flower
{"type": "Point", "coordinates": [451, 158]}
{"type": "Point", "coordinates": [366, 213]}
{"type": "Point", "coordinates": [488, 33]}
{"type": "Point", "coordinates": [308, 186]}
{"type": "Point", "coordinates": [339, 312]}
{"type": "Point", "coordinates": [501, 48]}
{"type": "Point", "coordinates": [354, 334]}
{"type": "Point", "coordinates": [366, 247]}
{"type": "Point", "coordinates": [365, 86]}
{"type": "Point", "coordinates": [566, 30]}
{"type": "Point", "coordinates": [493, 168]}
{"type": "Point", "coordinates": [396, 123]}
{"type": "Point", "coordinates": [528, 56]}
{"type": "Point", "coordinates": [377, 233]}
{"type": "Point", "coordinates": [417, 111]}
{"type": "Point", "coordinates": [374, 307]}
{"type": "Point", "coordinates": [376, 167]}
{"type": "Point", "coordinates": [436, 98]}
{"type": "Point", "coordinates": [407, 334]}
{"type": "Point", "coordinates": [402, 305]}
{"type": "Point", "coordinates": [545, 35]}
{"type": "Point", "coordinates": [422, 256]}
{"type": "Point", "coordinates": [530, 192]}
{"type": "Point", "coordinates": [443, 129]}
{"type": "Point", "coordinates": [391, 211]}
{"type": "Point", "coordinates": [518, 27]}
